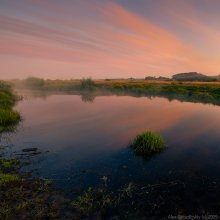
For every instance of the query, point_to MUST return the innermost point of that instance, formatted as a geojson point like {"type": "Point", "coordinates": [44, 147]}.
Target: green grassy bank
{"type": "Point", "coordinates": [8, 117]}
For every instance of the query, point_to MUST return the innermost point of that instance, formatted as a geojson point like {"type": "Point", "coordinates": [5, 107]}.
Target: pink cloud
{"type": "Point", "coordinates": [115, 42]}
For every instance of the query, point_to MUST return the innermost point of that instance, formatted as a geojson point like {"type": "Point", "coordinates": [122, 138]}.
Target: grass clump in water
{"type": "Point", "coordinates": [147, 144]}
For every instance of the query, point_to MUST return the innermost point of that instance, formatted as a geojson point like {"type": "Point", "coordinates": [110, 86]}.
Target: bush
{"type": "Point", "coordinates": [87, 84]}
{"type": "Point", "coordinates": [147, 144]}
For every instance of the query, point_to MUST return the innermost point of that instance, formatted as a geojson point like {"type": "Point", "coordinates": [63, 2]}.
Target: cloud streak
{"type": "Point", "coordinates": [105, 40]}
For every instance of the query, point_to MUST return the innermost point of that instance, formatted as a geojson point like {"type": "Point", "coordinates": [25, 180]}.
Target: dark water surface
{"type": "Point", "coordinates": [83, 141]}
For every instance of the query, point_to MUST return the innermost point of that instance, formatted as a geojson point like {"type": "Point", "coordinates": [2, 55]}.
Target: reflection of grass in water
{"type": "Point", "coordinates": [88, 96]}
{"type": "Point", "coordinates": [148, 144]}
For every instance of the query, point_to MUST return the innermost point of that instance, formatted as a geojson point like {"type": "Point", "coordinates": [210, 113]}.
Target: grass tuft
{"type": "Point", "coordinates": [147, 144]}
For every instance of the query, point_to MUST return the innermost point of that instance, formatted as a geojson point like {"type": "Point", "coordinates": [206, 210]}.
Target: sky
{"type": "Point", "coordinates": [108, 38]}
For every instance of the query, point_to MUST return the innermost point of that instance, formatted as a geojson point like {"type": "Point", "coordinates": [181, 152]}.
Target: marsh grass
{"type": "Point", "coordinates": [24, 196]}
{"type": "Point", "coordinates": [102, 199]}
{"type": "Point", "coordinates": [87, 84]}
{"type": "Point", "coordinates": [9, 163]}
{"type": "Point", "coordinates": [94, 199]}
{"type": "Point", "coordinates": [8, 117]}
{"type": "Point", "coordinates": [148, 144]}
{"type": "Point", "coordinates": [85, 202]}
{"type": "Point", "coordinates": [6, 99]}
{"type": "Point", "coordinates": [7, 178]}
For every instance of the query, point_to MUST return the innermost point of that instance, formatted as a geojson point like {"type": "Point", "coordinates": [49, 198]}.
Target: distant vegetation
{"type": "Point", "coordinates": [34, 82]}
{"type": "Point", "coordinates": [186, 77]}
{"type": "Point", "coordinates": [180, 87]}
{"type": "Point", "coordinates": [148, 144]}
{"type": "Point", "coordinates": [87, 84]}
{"type": "Point", "coordinates": [8, 117]}
{"type": "Point", "coordinates": [58, 85]}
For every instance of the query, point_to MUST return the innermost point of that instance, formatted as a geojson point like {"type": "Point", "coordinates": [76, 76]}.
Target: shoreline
{"type": "Point", "coordinates": [26, 196]}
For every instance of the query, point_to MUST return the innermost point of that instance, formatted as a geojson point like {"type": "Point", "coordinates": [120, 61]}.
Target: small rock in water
{"type": "Point", "coordinates": [29, 149]}
{"type": "Point", "coordinates": [33, 153]}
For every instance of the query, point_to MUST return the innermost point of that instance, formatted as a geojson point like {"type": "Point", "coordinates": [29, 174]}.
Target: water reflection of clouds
{"type": "Point", "coordinates": [203, 121]}
{"type": "Point", "coordinates": [74, 130]}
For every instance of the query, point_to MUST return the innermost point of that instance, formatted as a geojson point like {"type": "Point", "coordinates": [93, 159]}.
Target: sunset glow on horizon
{"type": "Point", "coordinates": [108, 39]}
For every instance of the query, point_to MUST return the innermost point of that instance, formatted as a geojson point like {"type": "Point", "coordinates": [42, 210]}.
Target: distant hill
{"type": "Point", "coordinates": [194, 76]}
{"type": "Point", "coordinates": [216, 77]}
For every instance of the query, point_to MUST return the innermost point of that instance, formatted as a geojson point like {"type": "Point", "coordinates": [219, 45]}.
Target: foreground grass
{"type": "Point", "coordinates": [96, 202]}
{"type": "Point", "coordinates": [8, 163]}
{"type": "Point", "coordinates": [26, 197]}
{"type": "Point", "coordinates": [7, 179]}
{"type": "Point", "coordinates": [148, 144]}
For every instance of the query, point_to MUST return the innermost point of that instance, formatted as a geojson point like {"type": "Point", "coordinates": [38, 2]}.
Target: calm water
{"type": "Point", "coordinates": [83, 141]}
